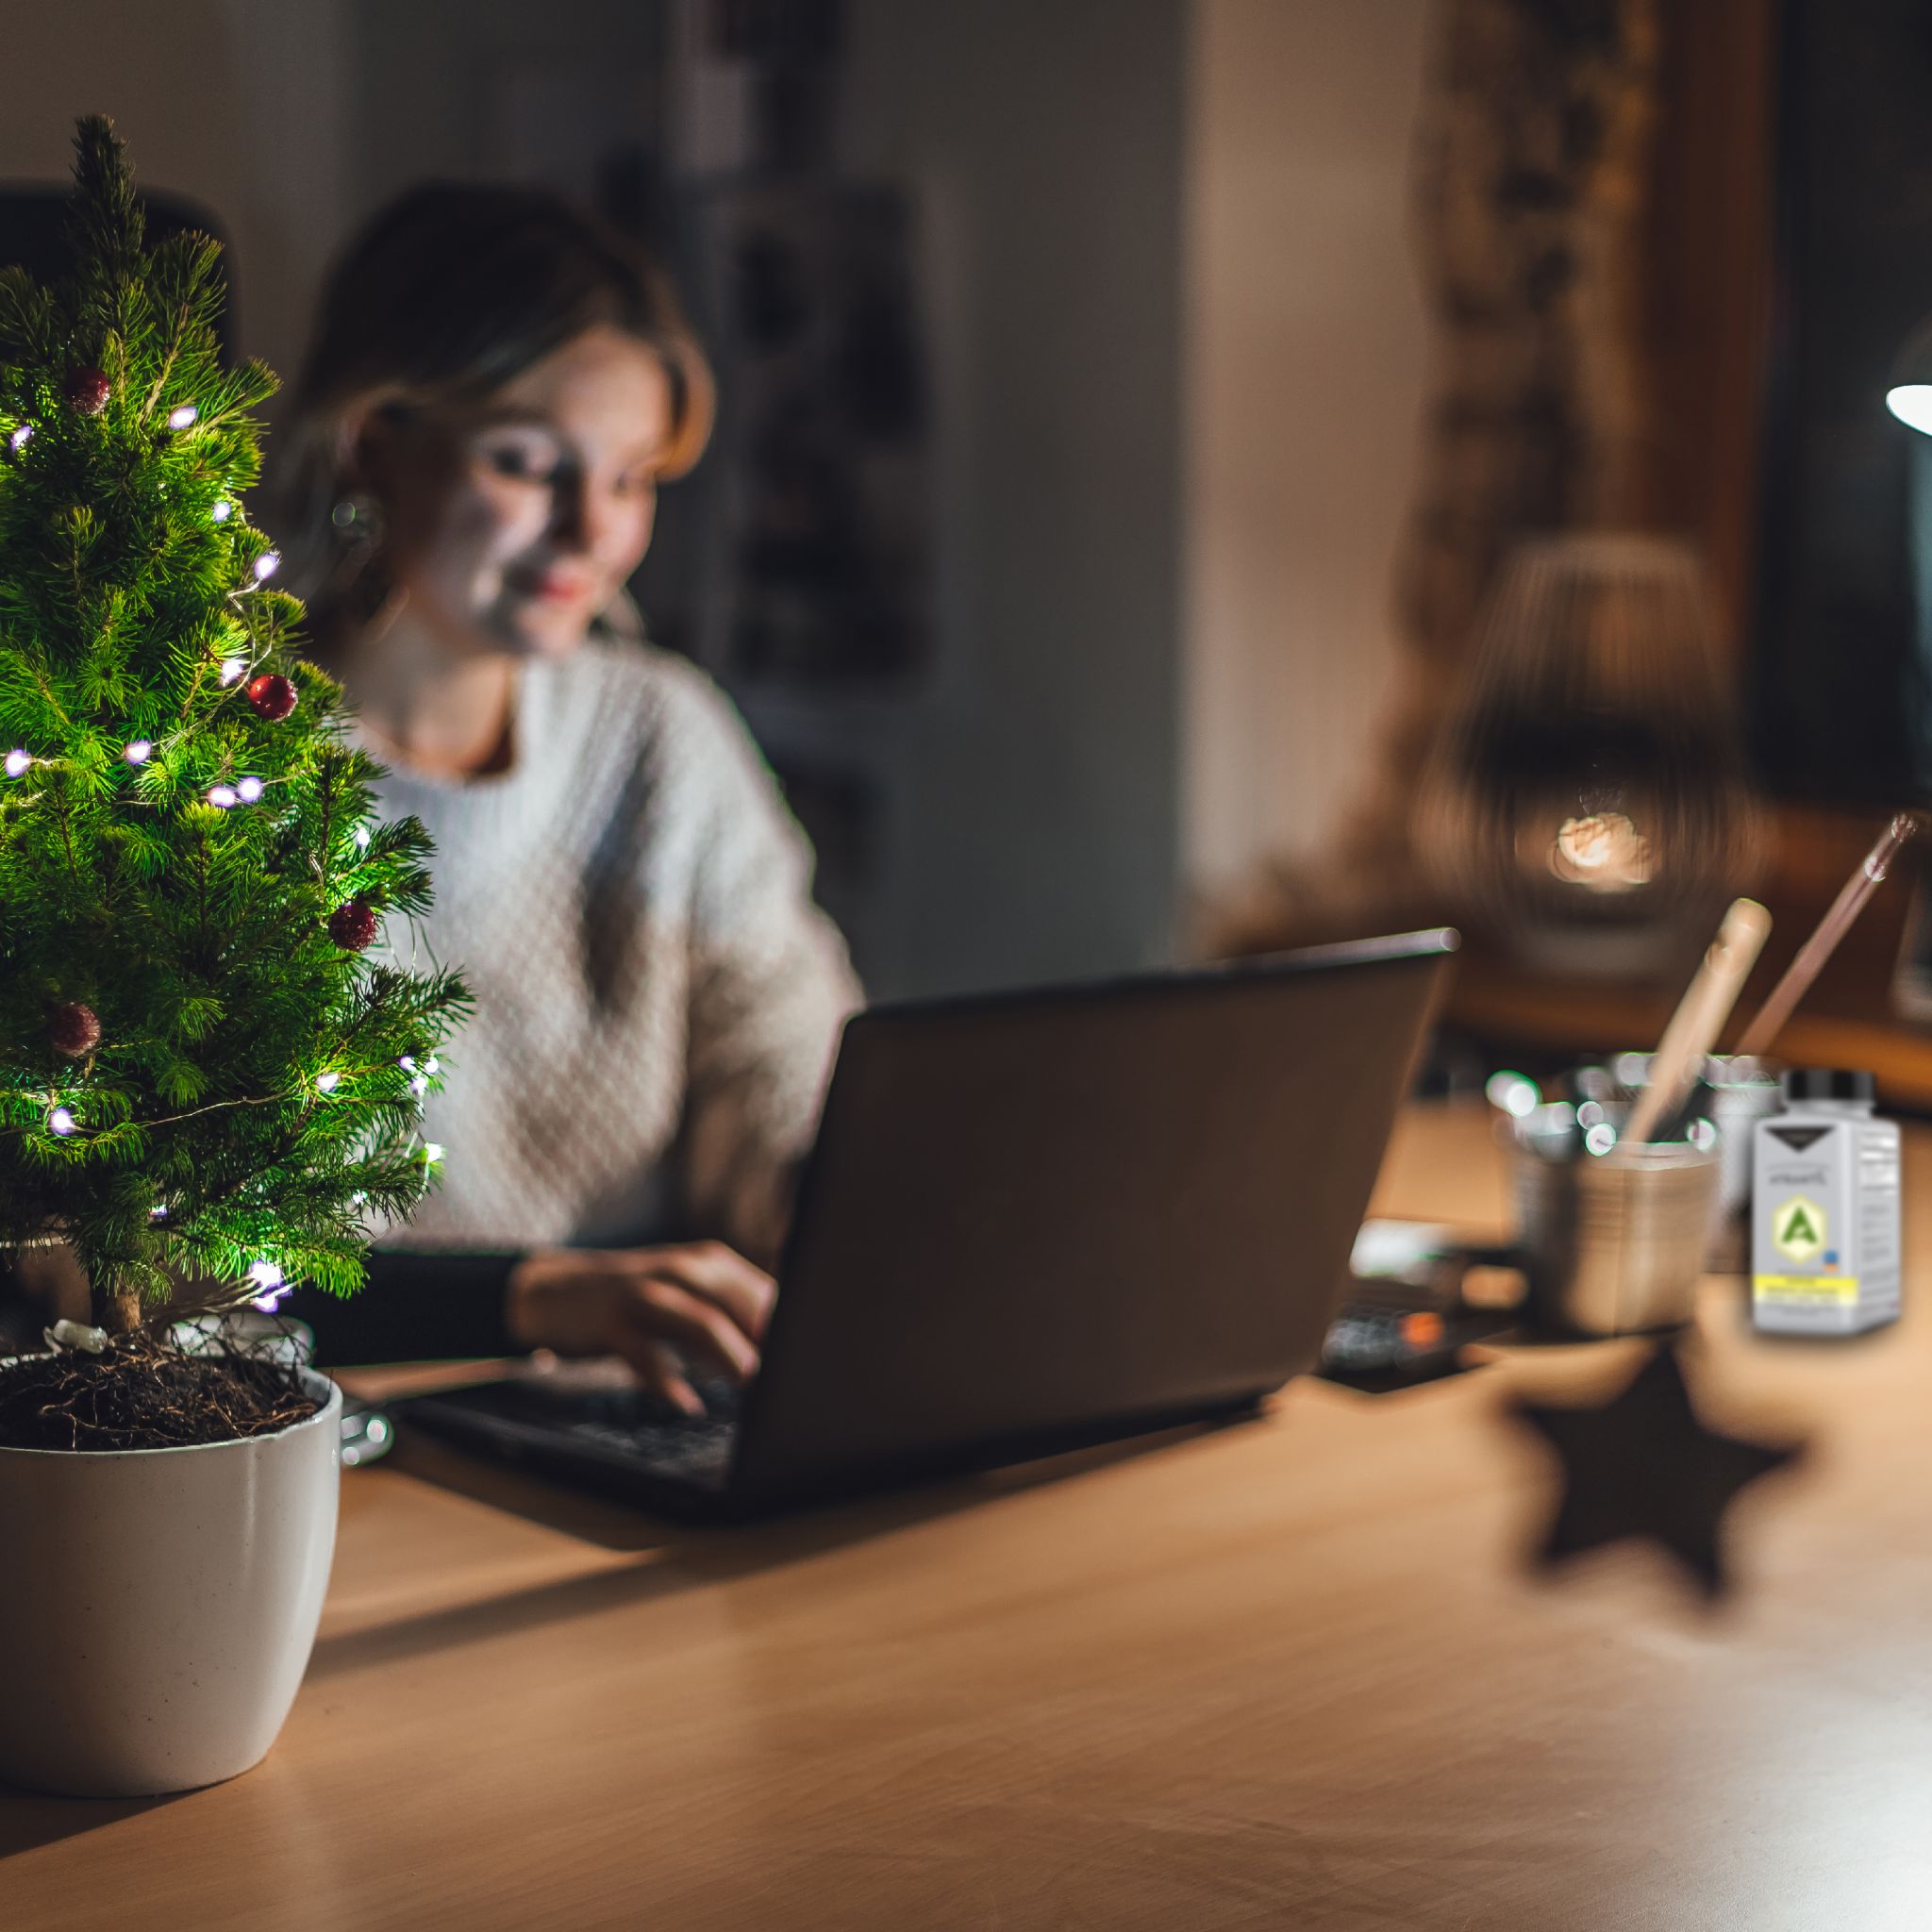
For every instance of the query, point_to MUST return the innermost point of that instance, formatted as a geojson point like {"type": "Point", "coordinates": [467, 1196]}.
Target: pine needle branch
{"type": "Point", "coordinates": [171, 853]}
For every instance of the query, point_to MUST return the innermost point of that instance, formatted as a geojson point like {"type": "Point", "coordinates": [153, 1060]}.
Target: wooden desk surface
{"type": "Point", "coordinates": [1283, 1675]}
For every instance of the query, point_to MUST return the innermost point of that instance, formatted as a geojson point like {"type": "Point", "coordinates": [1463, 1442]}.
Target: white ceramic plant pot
{"type": "Point", "coordinates": [158, 1606]}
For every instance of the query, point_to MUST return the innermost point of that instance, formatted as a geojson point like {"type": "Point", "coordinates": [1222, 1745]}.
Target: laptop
{"type": "Point", "coordinates": [1031, 1221]}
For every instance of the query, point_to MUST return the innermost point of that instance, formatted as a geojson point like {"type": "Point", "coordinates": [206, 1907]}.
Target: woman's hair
{"type": "Point", "coordinates": [450, 292]}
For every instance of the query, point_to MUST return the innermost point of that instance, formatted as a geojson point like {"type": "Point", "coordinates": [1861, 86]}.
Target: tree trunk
{"type": "Point", "coordinates": [117, 1309]}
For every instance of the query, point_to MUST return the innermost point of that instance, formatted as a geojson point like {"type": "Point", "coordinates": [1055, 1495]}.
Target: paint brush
{"type": "Point", "coordinates": [1812, 955]}
{"type": "Point", "coordinates": [1700, 1017]}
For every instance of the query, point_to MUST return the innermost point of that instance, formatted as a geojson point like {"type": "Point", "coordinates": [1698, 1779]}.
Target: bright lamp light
{"type": "Point", "coordinates": [1912, 403]}
{"type": "Point", "coordinates": [1909, 398]}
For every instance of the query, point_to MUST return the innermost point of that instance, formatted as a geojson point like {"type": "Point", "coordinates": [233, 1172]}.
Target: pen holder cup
{"type": "Point", "coordinates": [1735, 1094]}
{"type": "Point", "coordinates": [1613, 1243]}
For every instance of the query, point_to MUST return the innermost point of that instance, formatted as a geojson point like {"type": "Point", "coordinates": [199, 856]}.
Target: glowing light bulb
{"type": "Point", "coordinates": [180, 418]}
{"type": "Point", "coordinates": [17, 762]}
{"type": "Point", "coordinates": [418, 1086]}
{"type": "Point", "coordinates": [432, 1065]}
{"type": "Point", "coordinates": [432, 1152]}
{"type": "Point", "coordinates": [248, 790]}
{"type": "Point", "coordinates": [266, 564]}
{"type": "Point", "coordinates": [159, 1211]}
{"type": "Point", "coordinates": [232, 668]}
{"type": "Point", "coordinates": [1601, 1137]}
{"type": "Point", "coordinates": [1603, 853]}
{"type": "Point", "coordinates": [327, 1083]}
{"type": "Point", "coordinates": [361, 838]}
{"type": "Point", "coordinates": [408, 1063]}
{"type": "Point", "coordinates": [222, 510]}
{"type": "Point", "coordinates": [20, 436]}
{"type": "Point", "coordinates": [61, 1120]}
{"type": "Point", "coordinates": [139, 751]}
{"type": "Point", "coordinates": [222, 796]}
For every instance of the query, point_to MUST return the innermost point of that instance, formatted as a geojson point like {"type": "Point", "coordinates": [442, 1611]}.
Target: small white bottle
{"type": "Point", "coordinates": [1825, 1240]}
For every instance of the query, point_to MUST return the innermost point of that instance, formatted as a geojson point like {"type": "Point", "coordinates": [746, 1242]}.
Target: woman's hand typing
{"type": "Point", "coordinates": [657, 1307]}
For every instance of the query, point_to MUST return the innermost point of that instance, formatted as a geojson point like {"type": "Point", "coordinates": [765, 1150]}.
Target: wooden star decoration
{"type": "Point", "coordinates": [1646, 1465]}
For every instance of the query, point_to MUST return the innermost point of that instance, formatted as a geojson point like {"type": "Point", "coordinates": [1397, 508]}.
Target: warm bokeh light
{"type": "Point", "coordinates": [1603, 853]}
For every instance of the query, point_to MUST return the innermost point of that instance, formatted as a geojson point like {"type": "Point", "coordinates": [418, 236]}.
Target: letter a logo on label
{"type": "Point", "coordinates": [1798, 1228]}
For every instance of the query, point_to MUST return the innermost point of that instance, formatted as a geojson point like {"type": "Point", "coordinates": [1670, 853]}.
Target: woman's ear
{"type": "Point", "coordinates": [365, 449]}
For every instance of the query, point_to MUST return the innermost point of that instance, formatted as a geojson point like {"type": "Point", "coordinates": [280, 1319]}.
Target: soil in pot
{"type": "Point", "coordinates": [141, 1393]}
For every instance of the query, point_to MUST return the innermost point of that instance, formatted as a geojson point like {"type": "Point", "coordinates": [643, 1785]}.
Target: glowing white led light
{"type": "Point", "coordinates": [267, 1278]}
{"type": "Point", "coordinates": [327, 1083]}
{"type": "Point", "coordinates": [432, 1151]}
{"type": "Point", "coordinates": [61, 1120]}
{"type": "Point", "coordinates": [17, 762]}
{"type": "Point", "coordinates": [1601, 1137]}
{"type": "Point", "coordinates": [361, 838]}
{"type": "Point", "coordinates": [248, 790]}
{"type": "Point", "coordinates": [232, 668]}
{"type": "Point", "coordinates": [418, 1086]}
{"type": "Point", "coordinates": [1515, 1093]}
{"type": "Point", "coordinates": [432, 1065]}
{"type": "Point", "coordinates": [180, 418]}
{"type": "Point", "coordinates": [408, 1063]}
{"type": "Point", "coordinates": [222, 510]}
{"type": "Point", "coordinates": [265, 565]}
{"type": "Point", "coordinates": [19, 438]}
{"type": "Point", "coordinates": [139, 751]}
{"type": "Point", "coordinates": [222, 796]}
{"type": "Point", "coordinates": [159, 1211]}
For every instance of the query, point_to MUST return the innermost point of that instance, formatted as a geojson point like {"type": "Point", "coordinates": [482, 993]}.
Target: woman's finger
{"type": "Point", "coordinates": [723, 1275]}
{"type": "Point", "coordinates": [657, 1366]}
{"type": "Point", "coordinates": [667, 1311]}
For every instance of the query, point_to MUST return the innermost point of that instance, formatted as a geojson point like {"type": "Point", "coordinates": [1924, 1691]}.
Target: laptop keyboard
{"type": "Point", "coordinates": [633, 1424]}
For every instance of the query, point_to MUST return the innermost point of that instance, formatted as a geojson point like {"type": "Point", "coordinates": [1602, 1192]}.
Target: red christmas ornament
{"type": "Point", "coordinates": [74, 1030]}
{"type": "Point", "coordinates": [272, 696]}
{"type": "Point", "coordinates": [352, 925]}
{"type": "Point", "coordinates": [88, 390]}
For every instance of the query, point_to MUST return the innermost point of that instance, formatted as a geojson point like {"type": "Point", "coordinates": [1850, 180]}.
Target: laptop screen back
{"type": "Point", "coordinates": [1044, 1214]}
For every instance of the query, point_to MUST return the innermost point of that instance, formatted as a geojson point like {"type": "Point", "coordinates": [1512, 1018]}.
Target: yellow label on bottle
{"type": "Point", "coordinates": [1827, 1288]}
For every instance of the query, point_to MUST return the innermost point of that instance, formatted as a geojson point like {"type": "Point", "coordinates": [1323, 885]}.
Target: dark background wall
{"type": "Point", "coordinates": [1043, 145]}
{"type": "Point", "coordinates": [1841, 672]}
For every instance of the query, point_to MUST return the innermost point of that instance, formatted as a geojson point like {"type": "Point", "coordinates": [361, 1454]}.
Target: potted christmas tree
{"type": "Point", "coordinates": [210, 1075]}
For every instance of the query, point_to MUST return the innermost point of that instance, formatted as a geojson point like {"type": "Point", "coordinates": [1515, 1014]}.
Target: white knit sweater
{"type": "Point", "coordinates": [657, 998]}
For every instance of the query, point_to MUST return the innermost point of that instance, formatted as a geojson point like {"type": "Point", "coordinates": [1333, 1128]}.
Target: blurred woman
{"type": "Point", "coordinates": [497, 387]}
